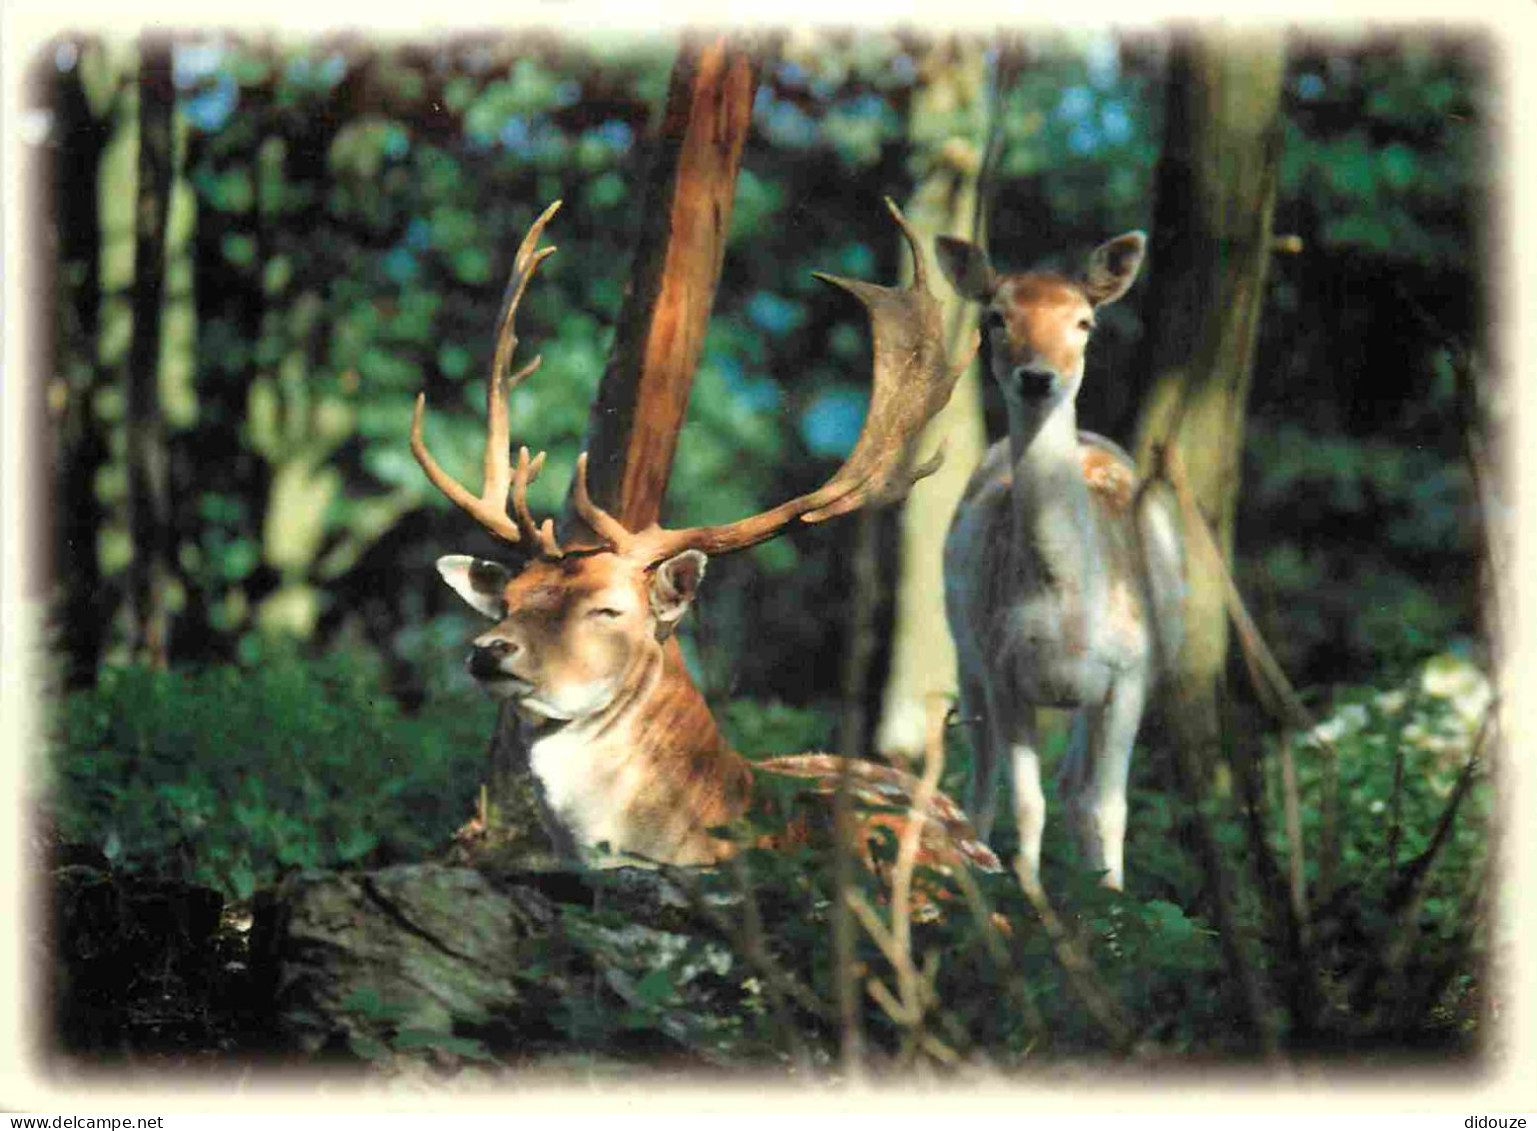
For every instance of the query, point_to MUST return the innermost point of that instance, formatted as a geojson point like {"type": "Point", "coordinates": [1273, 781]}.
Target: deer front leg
{"type": "Point", "coordinates": [1098, 805]}
{"type": "Point", "coordinates": [1015, 731]}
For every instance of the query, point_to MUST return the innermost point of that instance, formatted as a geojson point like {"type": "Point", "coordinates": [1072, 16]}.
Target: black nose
{"type": "Point", "coordinates": [1034, 382]}
{"type": "Point", "coordinates": [485, 660]}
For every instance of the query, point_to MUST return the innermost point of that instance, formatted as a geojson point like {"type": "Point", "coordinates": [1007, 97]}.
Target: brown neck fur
{"type": "Point", "coordinates": [701, 783]}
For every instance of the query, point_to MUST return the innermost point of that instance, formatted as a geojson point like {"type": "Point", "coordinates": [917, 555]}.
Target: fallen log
{"type": "Point", "coordinates": [455, 963]}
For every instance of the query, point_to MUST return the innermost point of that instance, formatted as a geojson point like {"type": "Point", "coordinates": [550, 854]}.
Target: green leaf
{"type": "Point", "coordinates": [471, 265]}
{"type": "Point", "coordinates": [239, 249]}
{"type": "Point", "coordinates": [368, 1048]}
{"type": "Point", "coordinates": [656, 988]}
{"type": "Point", "coordinates": [1169, 920]}
{"type": "Point", "coordinates": [466, 1047]}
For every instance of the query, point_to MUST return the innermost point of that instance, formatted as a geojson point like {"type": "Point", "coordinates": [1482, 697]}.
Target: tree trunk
{"type": "Point", "coordinates": [83, 607]}
{"type": "Point", "coordinates": [1210, 253]}
{"type": "Point", "coordinates": [148, 503]}
{"type": "Point", "coordinates": [632, 433]}
{"type": "Point", "coordinates": [948, 130]}
{"type": "Point", "coordinates": [864, 602]}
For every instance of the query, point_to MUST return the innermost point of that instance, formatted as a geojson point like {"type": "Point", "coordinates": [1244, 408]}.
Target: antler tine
{"type": "Point", "coordinates": [480, 509]}
{"type": "Point", "coordinates": [912, 380]}
{"type": "Point", "coordinates": [603, 524]}
{"type": "Point", "coordinates": [490, 507]}
{"type": "Point", "coordinates": [542, 536]}
{"type": "Point", "coordinates": [914, 245]}
{"type": "Point", "coordinates": [524, 264]}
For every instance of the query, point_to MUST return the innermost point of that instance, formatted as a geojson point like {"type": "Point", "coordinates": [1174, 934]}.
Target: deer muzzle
{"type": "Point", "coordinates": [491, 659]}
{"type": "Point", "coordinates": [1033, 383]}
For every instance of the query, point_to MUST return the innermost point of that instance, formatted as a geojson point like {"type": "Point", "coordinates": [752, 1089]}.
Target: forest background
{"type": "Point", "coordinates": [341, 216]}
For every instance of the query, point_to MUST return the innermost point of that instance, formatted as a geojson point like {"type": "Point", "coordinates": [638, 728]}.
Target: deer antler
{"type": "Point", "coordinates": [490, 507]}
{"type": "Point", "coordinates": [912, 381]}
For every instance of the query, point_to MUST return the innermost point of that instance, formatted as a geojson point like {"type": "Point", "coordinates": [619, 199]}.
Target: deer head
{"type": "Point", "coordinates": [1036, 324]}
{"type": "Point", "coordinates": [579, 619]}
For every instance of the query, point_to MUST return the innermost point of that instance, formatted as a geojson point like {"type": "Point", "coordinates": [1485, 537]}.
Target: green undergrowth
{"type": "Point", "coordinates": [231, 775]}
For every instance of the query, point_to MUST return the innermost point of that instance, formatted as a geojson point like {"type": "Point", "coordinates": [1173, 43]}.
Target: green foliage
{"type": "Point", "coordinates": [1385, 145]}
{"type": "Point", "coordinates": [1389, 973]}
{"type": "Point", "coordinates": [1356, 421]}
{"type": "Point", "coordinates": [351, 215]}
{"type": "Point", "coordinates": [381, 1036]}
{"type": "Point", "coordinates": [230, 775]}
{"type": "Point", "coordinates": [1399, 754]}
{"type": "Point", "coordinates": [765, 729]}
{"type": "Point", "coordinates": [347, 253]}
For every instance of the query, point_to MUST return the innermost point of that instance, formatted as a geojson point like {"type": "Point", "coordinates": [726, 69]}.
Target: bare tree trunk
{"type": "Point", "coordinates": [948, 129]}
{"type": "Point", "coordinates": [148, 502]}
{"type": "Point", "coordinates": [632, 433]}
{"type": "Point", "coordinates": [1483, 404]}
{"type": "Point", "coordinates": [864, 603]}
{"type": "Point", "coordinates": [1210, 256]}
{"type": "Point", "coordinates": [83, 607]}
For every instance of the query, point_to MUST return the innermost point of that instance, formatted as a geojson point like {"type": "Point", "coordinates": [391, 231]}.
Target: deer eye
{"type": "Point", "coordinates": [603, 612]}
{"type": "Point", "coordinates": [1085, 325]}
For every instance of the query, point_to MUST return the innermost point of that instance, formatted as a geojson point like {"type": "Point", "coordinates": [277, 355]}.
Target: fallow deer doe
{"type": "Point", "coordinates": [622, 744]}
{"type": "Point", "coordinates": [1046, 590]}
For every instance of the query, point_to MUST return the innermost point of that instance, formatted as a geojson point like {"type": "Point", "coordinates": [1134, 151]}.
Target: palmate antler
{"type": "Point", "coordinates": [912, 381]}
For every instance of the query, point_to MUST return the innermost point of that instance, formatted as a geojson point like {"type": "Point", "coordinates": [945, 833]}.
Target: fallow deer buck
{"type": "Point", "coordinates": [1046, 590]}
{"type": "Point", "coordinates": [622, 744]}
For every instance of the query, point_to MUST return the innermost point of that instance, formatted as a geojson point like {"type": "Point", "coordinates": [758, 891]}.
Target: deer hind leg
{"type": "Point", "coordinates": [1097, 803]}
{"type": "Point", "coordinates": [982, 801]}
{"type": "Point", "coordinates": [1074, 770]}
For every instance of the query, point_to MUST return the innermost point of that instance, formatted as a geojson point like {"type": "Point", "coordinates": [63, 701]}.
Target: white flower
{"type": "Point", "coordinates": [1347, 720]}
{"type": "Point", "coordinates": [1460, 684]}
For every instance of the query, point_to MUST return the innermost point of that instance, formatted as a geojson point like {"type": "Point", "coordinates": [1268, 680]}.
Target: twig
{"type": "Point", "coordinates": [852, 730]}
{"type": "Point", "coordinates": [1396, 799]}
{"type": "Point", "coordinates": [1411, 880]}
{"type": "Point", "coordinates": [907, 847]}
{"type": "Point", "coordinates": [1406, 896]}
{"type": "Point", "coordinates": [1301, 983]}
{"type": "Point", "coordinates": [1265, 671]}
{"type": "Point", "coordinates": [908, 1006]}
{"type": "Point", "coordinates": [1328, 820]}
{"type": "Point", "coordinates": [1079, 968]}
{"type": "Point", "coordinates": [997, 952]}
{"type": "Point", "coordinates": [882, 996]}
{"type": "Point", "coordinates": [1292, 814]}
{"type": "Point", "coordinates": [845, 980]}
{"type": "Point", "coordinates": [747, 938]}
{"type": "Point", "coordinates": [939, 1050]}
{"type": "Point", "coordinates": [874, 927]}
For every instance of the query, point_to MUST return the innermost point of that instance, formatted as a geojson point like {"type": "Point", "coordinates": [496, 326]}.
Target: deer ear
{"type": "Point", "coordinates": [1113, 267]}
{"type": "Point", "coordinates": [478, 581]}
{"type": "Point", "coordinates": [673, 587]}
{"type": "Point", "coordinates": [967, 267]}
